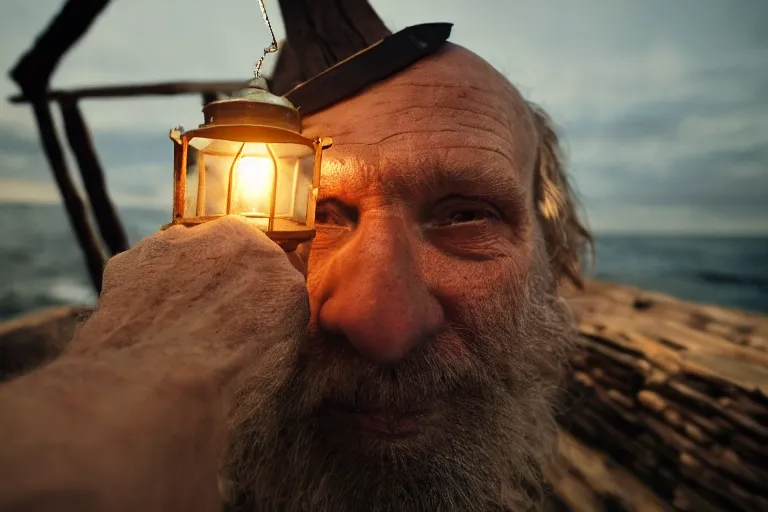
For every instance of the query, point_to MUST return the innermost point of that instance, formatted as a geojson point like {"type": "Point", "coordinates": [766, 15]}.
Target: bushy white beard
{"type": "Point", "coordinates": [500, 398]}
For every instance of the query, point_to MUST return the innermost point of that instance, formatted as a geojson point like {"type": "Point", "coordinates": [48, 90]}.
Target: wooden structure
{"type": "Point", "coordinates": [668, 407]}
{"type": "Point", "coordinates": [675, 393]}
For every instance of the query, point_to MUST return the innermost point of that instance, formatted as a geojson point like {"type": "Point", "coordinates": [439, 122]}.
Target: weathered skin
{"type": "Point", "coordinates": [132, 416]}
{"type": "Point", "coordinates": [430, 296]}
{"type": "Point", "coordinates": [407, 156]}
{"type": "Point", "coordinates": [425, 380]}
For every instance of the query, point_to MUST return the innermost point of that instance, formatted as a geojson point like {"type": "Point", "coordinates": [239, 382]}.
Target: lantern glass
{"type": "Point", "coordinates": [267, 180]}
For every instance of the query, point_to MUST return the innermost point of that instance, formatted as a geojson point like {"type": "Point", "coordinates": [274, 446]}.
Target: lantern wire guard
{"type": "Point", "coordinates": [251, 160]}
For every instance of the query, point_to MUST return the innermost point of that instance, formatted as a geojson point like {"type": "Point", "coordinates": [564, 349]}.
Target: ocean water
{"type": "Point", "coordinates": [41, 264]}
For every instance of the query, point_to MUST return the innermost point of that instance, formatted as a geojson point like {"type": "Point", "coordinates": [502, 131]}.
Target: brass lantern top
{"type": "Point", "coordinates": [252, 117]}
{"type": "Point", "coordinates": [252, 114]}
{"type": "Point", "coordinates": [253, 105]}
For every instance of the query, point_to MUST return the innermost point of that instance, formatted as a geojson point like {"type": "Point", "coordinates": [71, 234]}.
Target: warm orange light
{"type": "Point", "coordinates": [253, 186]}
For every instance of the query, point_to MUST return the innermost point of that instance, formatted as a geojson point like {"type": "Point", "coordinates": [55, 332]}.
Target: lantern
{"type": "Point", "coordinates": [251, 160]}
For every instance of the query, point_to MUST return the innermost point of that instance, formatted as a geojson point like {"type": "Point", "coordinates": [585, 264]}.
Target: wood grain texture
{"type": "Point", "coordinates": [676, 392]}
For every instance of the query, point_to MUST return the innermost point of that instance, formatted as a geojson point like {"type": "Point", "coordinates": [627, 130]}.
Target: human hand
{"type": "Point", "coordinates": [213, 296]}
{"type": "Point", "coordinates": [133, 416]}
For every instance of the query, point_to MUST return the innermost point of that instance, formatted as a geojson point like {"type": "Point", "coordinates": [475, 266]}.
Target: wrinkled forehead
{"type": "Point", "coordinates": [450, 104]}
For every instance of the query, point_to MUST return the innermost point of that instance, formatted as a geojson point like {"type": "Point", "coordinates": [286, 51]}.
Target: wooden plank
{"type": "Point", "coordinates": [74, 204]}
{"type": "Point", "coordinates": [109, 224]}
{"type": "Point", "coordinates": [34, 69]}
{"type": "Point", "coordinates": [671, 391]}
{"type": "Point", "coordinates": [134, 90]}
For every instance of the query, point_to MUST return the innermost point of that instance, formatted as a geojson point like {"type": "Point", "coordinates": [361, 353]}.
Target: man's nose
{"type": "Point", "coordinates": [374, 295]}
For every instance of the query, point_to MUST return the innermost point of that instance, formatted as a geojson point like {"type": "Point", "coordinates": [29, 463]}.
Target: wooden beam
{"type": "Point", "coordinates": [131, 90]}
{"type": "Point", "coordinates": [675, 392]}
{"type": "Point", "coordinates": [322, 33]}
{"type": "Point", "coordinates": [111, 229]}
{"type": "Point", "coordinates": [75, 207]}
{"type": "Point", "coordinates": [34, 69]}
{"type": "Point", "coordinates": [32, 73]}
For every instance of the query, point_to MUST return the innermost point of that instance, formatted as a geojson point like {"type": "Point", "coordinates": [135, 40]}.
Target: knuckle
{"type": "Point", "coordinates": [115, 270]}
{"type": "Point", "coordinates": [175, 232]}
{"type": "Point", "coordinates": [233, 234]}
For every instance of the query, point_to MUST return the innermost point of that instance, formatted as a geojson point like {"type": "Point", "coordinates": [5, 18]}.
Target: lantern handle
{"type": "Point", "coordinates": [272, 47]}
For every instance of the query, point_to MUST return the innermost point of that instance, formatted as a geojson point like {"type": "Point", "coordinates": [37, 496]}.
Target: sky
{"type": "Point", "coordinates": [662, 105]}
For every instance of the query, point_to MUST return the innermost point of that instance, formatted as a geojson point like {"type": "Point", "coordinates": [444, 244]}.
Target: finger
{"type": "Point", "coordinates": [225, 230]}
{"type": "Point", "coordinates": [303, 251]}
{"type": "Point", "coordinates": [298, 262]}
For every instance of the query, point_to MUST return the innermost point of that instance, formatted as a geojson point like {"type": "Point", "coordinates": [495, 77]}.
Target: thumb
{"type": "Point", "coordinates": [300, 257]}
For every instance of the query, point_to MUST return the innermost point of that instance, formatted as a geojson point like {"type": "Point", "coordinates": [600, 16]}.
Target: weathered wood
{"type": "Point", "coordinates": [74, 204]}
{"type": "Point", "coordinates": [32, 73]}
{"type": "Point", "coordinates": [111, 229]}
{"type": "Point", "coordinates": [34, 70]}
{"type": "Point", "coordinates": [320, 34]}
{"type": "Point", "coordinates": [134, 90]}
{"type": "Point", "coordinates": [587, 480]}
{"type": "Point", "coordinates": [677, 392]}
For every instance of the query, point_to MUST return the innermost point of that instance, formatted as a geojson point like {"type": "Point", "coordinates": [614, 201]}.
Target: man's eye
{"type": "Point", "coordinates": [333, 214]}
{"type": "Point", "coordinates": [464, 216]}
{"type": "Point", "coordinates": [322, 217]}
{"type": "Point", "coordinates": [457, 214]}
{"type": "Point", "coordinates": [328, 219]}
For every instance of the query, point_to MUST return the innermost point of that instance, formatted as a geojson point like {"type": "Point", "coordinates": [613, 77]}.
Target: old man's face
{"type": "Point", "coordinates": [436, 341]}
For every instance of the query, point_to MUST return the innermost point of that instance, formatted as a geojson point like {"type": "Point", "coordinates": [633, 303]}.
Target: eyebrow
{"type": "Point", "coordinates": [489, 179]}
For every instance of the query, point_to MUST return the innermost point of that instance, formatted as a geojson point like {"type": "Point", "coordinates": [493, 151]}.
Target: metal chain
{"type": "Point", "coordinates": [272, 47]}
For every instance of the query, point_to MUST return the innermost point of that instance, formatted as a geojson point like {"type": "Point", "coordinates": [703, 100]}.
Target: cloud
{"type": "Point", "coordinates": [663, 107]}
{"type": "Point", "coordinates": [27, 191]}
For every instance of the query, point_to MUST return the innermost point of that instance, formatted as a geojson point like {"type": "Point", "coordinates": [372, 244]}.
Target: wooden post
{"type": "Point", "coordinates": [33, 71]}
{"type": "Point", "coordinates": [74, 204]}
{"type": "Point", "coordinates": [93, 177]}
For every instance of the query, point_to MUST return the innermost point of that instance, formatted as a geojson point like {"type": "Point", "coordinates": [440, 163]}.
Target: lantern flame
{"type": "Point", "coordinates": [254, 181]}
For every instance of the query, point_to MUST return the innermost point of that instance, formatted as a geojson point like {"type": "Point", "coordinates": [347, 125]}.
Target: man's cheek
{"type": "Point", "coordinates": [474, 283]}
